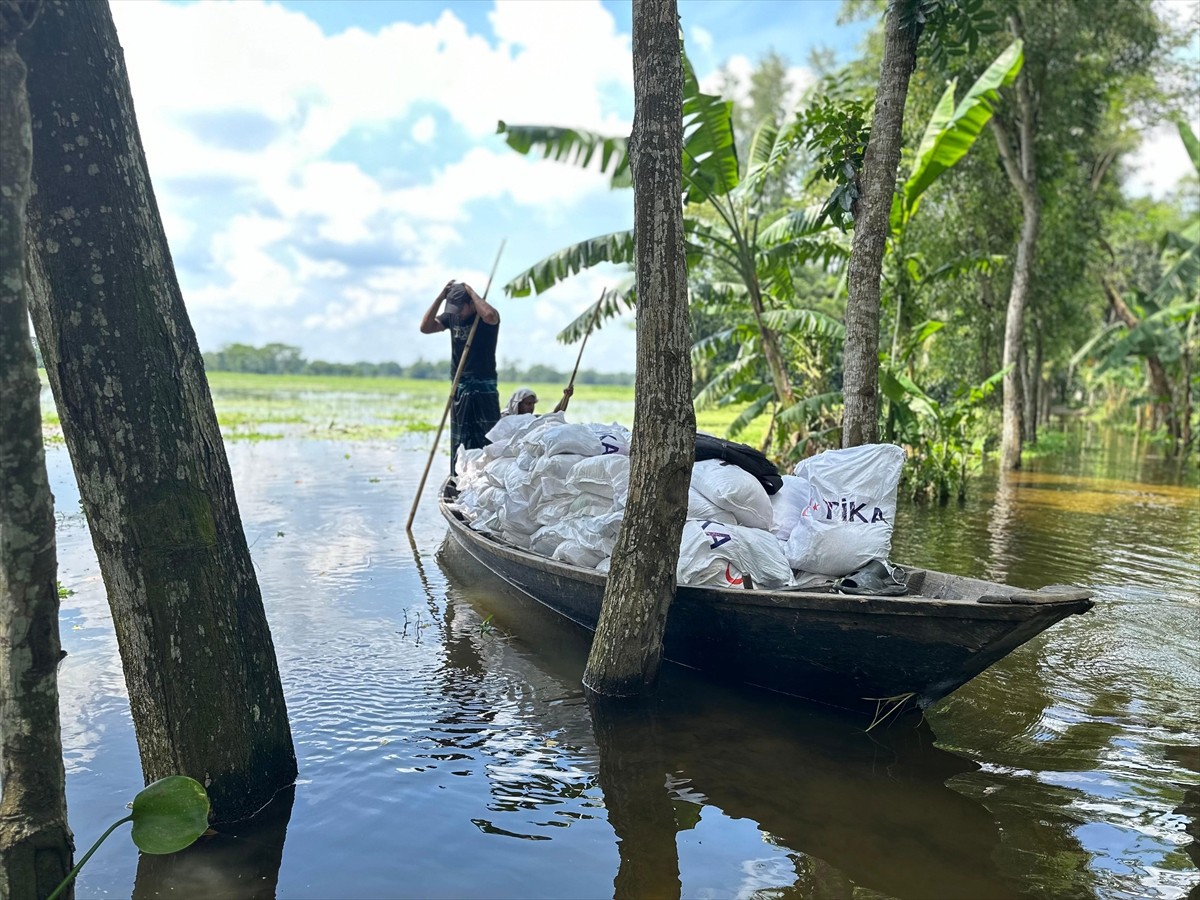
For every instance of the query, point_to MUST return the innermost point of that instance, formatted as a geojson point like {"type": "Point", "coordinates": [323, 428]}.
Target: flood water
{"type": "Point", "coordinates": [446, 748]}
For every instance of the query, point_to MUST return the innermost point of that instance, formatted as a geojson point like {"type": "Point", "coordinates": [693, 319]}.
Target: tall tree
{"type": "Point", "coordinates": [627, 648]}
{"type": "Point", "coordinates": [35, 841]}
{"type": "Point", "coordinates": [860, 414]}
{"type": "Point", "coordinates": [1017, 153]}
{"type": "Point", "coordinates": [139, 423]}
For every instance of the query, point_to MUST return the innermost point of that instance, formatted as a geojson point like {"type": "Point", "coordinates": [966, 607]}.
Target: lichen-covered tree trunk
{"type": "Point", "coordinates": [860, 383]}
{"type": "Point", "coordinates": [1014, 336]}
{"type": "Point", "coordinates": [627, 648]}
{"type": "Point", "coordinates": [1020, 165]}
{"type": "Point", "coordinates": [137, 415]}
{"type": "Point", "coordinates": [35, 841]}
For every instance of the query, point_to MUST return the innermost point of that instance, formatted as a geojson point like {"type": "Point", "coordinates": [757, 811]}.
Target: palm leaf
{"type": "Point", "coordinates": [741, 371]}
{"type": "Point", "coordinates": [612, 303]}
{"type": "Point", "coordinates": [607, 248]}
{"type": "Point", "coordinates": [710, 164]}
{"type": "Point", "coordinates": [809, 408]}
{"type": "Point", "coordinates": [804, 323]}
{"type": "Point", "coordinates": [1181, 278]}
{"type": "Point", "coordinates": [1191, 142]}
{"type": "Point", "coordinates": [796, 224]}
{"type": "Point", "coordinates": [756, 408]}
{"type": "Point", "coordinates": [769, 149]}
{"type": "Point", "coordinates": [708, 347]}
{"type": "Point", "coordinates": [1100, 339]}
{"type": "Point", "coordinates": [570, 146]}
{"type": "Point", "coordinates": [952, 130]}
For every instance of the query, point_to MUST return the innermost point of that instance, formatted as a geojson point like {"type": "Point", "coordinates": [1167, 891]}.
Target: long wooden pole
{"type": "Point", "coordinates": [586, 334]}
{"type": "Point", "coordinates": [450, 400]}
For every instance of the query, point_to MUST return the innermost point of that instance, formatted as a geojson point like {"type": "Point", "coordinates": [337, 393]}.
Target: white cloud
{"type": "Point", "coordinates": [702, 38]}
{"type": "Point", "coordinates": [241, 103]}
{"type": "Point", "coordinates": [1160, 162]}
{"type": "Point", "coordinates": [424, 129]}
{"type": "Point", "coordinates": [799, 79]}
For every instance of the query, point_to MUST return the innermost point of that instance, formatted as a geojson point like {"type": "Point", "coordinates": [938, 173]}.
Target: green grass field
{"type": "Point", "coordinates": [270, 407]}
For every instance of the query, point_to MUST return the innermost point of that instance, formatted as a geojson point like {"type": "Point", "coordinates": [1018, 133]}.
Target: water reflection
{"type": "Point", "coordinates": [446, 754]}
{"type": "Point", "coordinates": [239, 862]}
{"type": "Point", "coordinates": [829, 804]}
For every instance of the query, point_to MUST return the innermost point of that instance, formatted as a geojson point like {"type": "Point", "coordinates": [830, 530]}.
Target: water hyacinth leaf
{"type": "Point", "coordinates": [169, 814]}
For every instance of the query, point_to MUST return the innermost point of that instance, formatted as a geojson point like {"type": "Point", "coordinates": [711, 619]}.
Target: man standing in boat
{"type": "Point", "coordinates": [476, 407]}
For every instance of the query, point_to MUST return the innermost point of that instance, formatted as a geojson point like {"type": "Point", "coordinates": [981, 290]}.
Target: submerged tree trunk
{"type": "Point", "coordinates": [1020, 164]}
{"type": "Point", "coordinates": [138, 420]}
{"type": "Point", "coordinates": [35, 841]}
{"type": "Point", "coordinates": [872, 215]}
{"type": "Point", "coordinates": [627, 648]}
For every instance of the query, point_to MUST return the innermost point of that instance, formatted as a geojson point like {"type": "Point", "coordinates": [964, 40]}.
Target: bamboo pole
{"type": "Point", "coordinates": [586, 334]}
{"type": "Point", "coordinates": [450, 400]}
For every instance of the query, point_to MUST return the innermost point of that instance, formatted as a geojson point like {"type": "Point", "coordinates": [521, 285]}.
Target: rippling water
{"type": "Point", "coordinates": [446, 748]}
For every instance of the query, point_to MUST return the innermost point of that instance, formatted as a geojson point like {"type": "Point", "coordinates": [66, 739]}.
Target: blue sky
{"type": "Point", "coordinates": [323, 167]}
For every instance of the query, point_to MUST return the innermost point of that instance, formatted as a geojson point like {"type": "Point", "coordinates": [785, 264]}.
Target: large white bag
{"type": "Point", "coordinates": [712, 553]}
{"type": "Point", "coordinates": [604, 476]}
{"type": "Point", "coordinates": [734, 490]}
{"type": "Point", "coordinates": [786, 505]}
{"type": "Point", "coordinates": [849, 509]}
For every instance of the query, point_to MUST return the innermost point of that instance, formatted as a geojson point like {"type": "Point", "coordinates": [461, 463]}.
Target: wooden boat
{"type": "Point", "coordinates": [869, 654]}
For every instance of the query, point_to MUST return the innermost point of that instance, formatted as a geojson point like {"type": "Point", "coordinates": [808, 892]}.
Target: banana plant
{"type": "Point", "coordinates": [729, 232]}
{"type": "Point", "coordinates": [1165, 334]}
{"type": "Point", "coordinates": [953, 129]}
{"type": "Point", "coordinates": [947, 448]}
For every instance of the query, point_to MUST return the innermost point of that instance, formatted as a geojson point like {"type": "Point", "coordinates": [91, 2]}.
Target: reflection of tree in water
{"type": "Point", "coordinates": [239, 862]}
{"type": "Point", "coordinates": [527, 768]}
{"type": "Point", "coordinates": [848, 813]}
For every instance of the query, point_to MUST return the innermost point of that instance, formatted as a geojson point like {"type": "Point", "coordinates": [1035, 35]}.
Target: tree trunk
{"type": "Point", "coordinates": [138, 419]}
{"type": "Point", "coordinates": [860, 384]}
{"type": "Point", "coordinates": [627, 647]}
{"type": "Point", "coordinates": [1020, 164]}
{"type": "Point", "coordinates": [1033, 386]}
{"type": "Point", "coordinates": [1014, 341]}
{"type": "Point", "coordinates": [35, 841]}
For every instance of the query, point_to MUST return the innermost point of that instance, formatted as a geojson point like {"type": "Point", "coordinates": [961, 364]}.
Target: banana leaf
{"type": "Point", "coordinates": [952, 130]}
{"type": "Point", "coordinates": [608, 248]}
{"type": "Point", "coordinates": [570, 146]}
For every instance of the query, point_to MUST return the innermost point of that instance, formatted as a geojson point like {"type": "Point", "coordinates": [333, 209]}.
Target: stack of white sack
{"type": "Point", "coordinates": [549, 486]}
{"type": "Point", "coordinates": [835, 513]}
{"type": "Point", "coordinates": [560, 489]}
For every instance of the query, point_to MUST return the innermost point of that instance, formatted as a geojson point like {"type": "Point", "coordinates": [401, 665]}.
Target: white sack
{"type": "Point", "coordinates": [604, 476]}
{"type": "Point", "coordinates": [735, 490]}
{"type": "Point", "coordinates": [503, 430]}
{"type": "Point", "coordinates": [469, 466]}
{"type": "Point", "coordinates": [786, 505]}
{"type": "Point", "coordinates": [712, 553]}
{"type": "Point", "coordinates": [557, 466]}
{"type": "Point", "coordinates": [614, 438]}
{"type": "Point", "coordinates": [849, 509]}
{"type": "Point", "coordinates": [701, 508]}
{"type": "Point", "coordinates": [556, 439]}
{"type": "Point", "coordinates": [573, 553]}
{"type": "Point", "coordinates": [528, 431]}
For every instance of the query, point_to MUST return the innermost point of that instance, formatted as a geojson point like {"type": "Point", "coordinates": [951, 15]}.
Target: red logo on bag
{"type": "Point", "coordinates": [730, 577]}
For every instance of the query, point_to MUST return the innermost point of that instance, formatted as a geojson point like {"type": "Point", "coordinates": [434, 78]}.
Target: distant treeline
{"type": "Point", "coordinates": [284, 359]}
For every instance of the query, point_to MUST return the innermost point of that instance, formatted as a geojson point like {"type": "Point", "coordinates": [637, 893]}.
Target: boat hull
{"type": "Point", "coordinates": [871, 655]}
